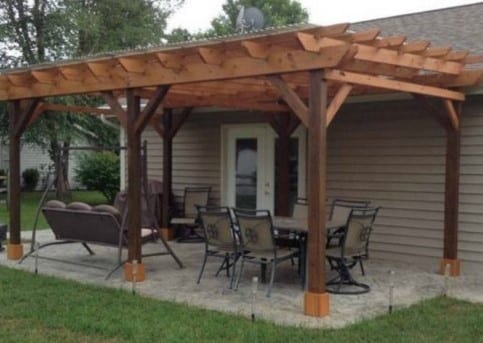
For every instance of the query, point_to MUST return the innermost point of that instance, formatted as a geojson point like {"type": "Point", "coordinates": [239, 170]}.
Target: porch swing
{"type": "Point", "coordinates": [102, 224]}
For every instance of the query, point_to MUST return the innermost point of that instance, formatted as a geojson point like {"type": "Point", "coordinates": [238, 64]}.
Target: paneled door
{"type": "Point", "coordinates": [248, 166]}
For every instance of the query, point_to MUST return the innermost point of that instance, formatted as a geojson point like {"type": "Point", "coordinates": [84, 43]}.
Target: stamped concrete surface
{"type": "Point", "coordinates": [166, 281]}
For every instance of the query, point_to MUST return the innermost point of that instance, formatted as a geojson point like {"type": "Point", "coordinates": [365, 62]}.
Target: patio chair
{"type": "Point", "coordinates": [257, 243]}
{"type": "Point", "coordinates": [352, 251]}
{"type": "Point", "coordinates": [188, 221]}
{"type": "Point", "coordinates": [220, 239]}
{"type": "Point", "coordinates": [339, 212]}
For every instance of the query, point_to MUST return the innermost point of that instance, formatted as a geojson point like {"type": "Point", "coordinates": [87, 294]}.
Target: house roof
{"type": "Point", "coordinates": [459, 26]}
{"type": "Point", "coordinates": [261, 70]}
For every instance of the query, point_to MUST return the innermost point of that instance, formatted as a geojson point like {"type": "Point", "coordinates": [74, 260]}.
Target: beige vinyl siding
{"type": "Point", "coordinates": [196, 151]}
{"type": "Point", "coordinates": [391, 153]}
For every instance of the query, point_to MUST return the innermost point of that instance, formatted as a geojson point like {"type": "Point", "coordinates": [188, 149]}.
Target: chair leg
{"type": "Point", "coordinates": [362, 267]}
{"type": "Point", "coordinates": [88, 248]}
{"type": "Point", "coordinates": [202, 268]}
{"type": "Point", "coordinates": [272, 277]}
{"type": "Point", "coordinates": [241, 271]}
{"type": "Point", "coordinates": [233, 271]}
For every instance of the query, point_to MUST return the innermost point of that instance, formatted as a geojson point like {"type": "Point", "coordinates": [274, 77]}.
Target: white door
{"type": "Point", "coordinates": [248, 166]}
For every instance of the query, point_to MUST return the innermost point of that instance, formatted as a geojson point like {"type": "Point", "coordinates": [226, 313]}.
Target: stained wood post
{"type": "Point", "coordinates": [451, 201]}
{"type": "Point", "coordinates": [316, 301]}
{"type": "Point", "coordinates": [134, 188]}
{"type": "Point", "coordinates": [167, 164]}
{"type": "Point", "coordinates": [14, 247]}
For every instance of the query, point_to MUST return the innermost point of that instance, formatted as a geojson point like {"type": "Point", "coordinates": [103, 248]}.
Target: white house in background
{"type": "Point", "coordinates": [32, 156]}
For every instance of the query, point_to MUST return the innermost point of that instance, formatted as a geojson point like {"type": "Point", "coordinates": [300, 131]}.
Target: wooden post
{"type": "Point", "coordinates": [284, 125]}
{"type": "Point", "coordinates": [134, 189]}
{"type": "Point", "coordinates": [167, 165]}
{"type": "Point", "coordinates": [451, 201]}
{"type": "Point", "coordinates": [19, 120]}
{"type": "Point", "coordinates": [316, 301]}
{"type": "Point", "coordinates": [14, 247]}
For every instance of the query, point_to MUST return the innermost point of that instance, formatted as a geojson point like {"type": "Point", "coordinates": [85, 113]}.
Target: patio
{"type": "Point", "coordinates": [168, 282]}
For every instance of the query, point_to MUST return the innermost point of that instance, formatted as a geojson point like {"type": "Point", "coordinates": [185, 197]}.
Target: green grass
{"type": "Point", "coordinates": [44, 309]}
{"type": "Point", "coordinates": [30, 201]}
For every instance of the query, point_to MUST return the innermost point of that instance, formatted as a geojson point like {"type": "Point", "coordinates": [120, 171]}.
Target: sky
{"type": "Point", "coordinates": [196, 15]}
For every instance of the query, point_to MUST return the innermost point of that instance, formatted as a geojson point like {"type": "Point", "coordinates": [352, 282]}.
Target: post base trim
{"type": "Point", "coordinates": [316, 304]}
{"type": "Point", "coordinates": [14, 251]}
{"type": "Point", "coordinates": [454, 267]}
{"type": "Point", "coordinates": [140, 272]}
{"type": "Point", "coordinates": [167, 233]}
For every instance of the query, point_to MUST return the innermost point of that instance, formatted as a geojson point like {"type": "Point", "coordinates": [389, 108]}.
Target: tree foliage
{"type": "Point", "coordinates": [276, 13]}
{"type": "Point", "coordinates": [37, 31]}
{"type": "Point", "coordinates": [100, 171]}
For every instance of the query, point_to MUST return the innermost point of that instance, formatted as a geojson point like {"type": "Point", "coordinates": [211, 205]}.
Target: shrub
{"type": "Point", "coordinates": [100, 171]}
{"type": "Point", "coordinates": [30, 178]}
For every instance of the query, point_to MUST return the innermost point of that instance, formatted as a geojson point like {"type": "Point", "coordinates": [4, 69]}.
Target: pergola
{"type": "Point", "coordinates": [306, 70]}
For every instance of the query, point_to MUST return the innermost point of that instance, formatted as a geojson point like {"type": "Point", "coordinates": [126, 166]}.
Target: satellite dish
{"type": "Point", "coordinates": [249, 19]}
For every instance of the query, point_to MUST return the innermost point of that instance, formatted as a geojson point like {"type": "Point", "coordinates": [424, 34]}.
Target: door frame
{"type": "Point", "coordinates": [265, 180]}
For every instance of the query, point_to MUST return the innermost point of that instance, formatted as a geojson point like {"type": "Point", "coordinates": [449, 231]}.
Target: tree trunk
{"type": "Point", "coordinates": [60, 154]}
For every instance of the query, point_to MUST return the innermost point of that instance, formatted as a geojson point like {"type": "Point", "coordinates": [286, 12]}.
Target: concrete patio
{"type": "Point", "coordinates": [167, 282]}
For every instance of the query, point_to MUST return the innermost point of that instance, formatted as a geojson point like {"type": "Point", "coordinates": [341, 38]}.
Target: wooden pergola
{"type": "Point", "coordinates": [306, 70]}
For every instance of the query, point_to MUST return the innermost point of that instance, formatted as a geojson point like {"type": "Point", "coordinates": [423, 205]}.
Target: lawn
{"type": "Point", "coordinates": [30, 202]}
{"type": "Point", "coordinates": [36, 308]}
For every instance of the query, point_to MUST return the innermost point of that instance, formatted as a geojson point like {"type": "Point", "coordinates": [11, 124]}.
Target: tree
{"type": "Point", "coordinates": [276, 13]}
{"type": "Point", "coordinates": [35, 31]}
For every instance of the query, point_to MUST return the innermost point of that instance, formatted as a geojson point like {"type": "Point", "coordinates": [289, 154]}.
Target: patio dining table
{"type": "Point", "coordinates": [299, 226]}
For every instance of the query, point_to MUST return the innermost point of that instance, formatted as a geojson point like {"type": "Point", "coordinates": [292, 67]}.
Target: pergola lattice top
{"type": "Point", "coordinates": [255, 71]}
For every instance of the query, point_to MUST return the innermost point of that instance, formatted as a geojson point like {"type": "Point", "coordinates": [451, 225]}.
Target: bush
{"type": "Point", "coordinates": [100, 171]}
{"type": "Point", "coordinates": [30, 178]}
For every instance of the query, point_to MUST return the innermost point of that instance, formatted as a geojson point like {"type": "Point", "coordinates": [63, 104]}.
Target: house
{"type": "Point", "coordinates": [402, 154]}
{"type": "Point", "coordinates": [382, 148]}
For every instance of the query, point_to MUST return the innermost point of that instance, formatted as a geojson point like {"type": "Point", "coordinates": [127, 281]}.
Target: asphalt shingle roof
{"type": "Point", "coordinates": [461, 27]}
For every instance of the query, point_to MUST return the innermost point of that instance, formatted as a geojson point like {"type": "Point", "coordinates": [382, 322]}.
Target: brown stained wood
{"type": "Point", "coordinates": [167, 165]}
{"type": "Point", "coordinates": [151, 107]}
{"type": "Point", "coordinates": [24, 116]}
{"type": "Point", "coordinates": [180, 121]}
{"type": "Point", "coordinates": [415, 46]}
{"type": "Point", "coordinates": [317, 161]}
{"type": "Point", "coordinates": [99, 69]}
{"type": "Point", "coordinates": [389, 42]}
{"type": "Point", "coordinates": [291, 98]}
{"type": "Point", "coordinates": [396, 85]}
{"type": "Point", "coordinates": [14, 173]}
{"type": "Point", "coordinates": [452, 115]}
{"type": "Point", "coordinates": [435, 112]}
{"type": "Point", "coordinates": [337, 102]}
{"type": "Point", "coordinates": [439, 51]}
{"type": "Point", "coordinates": [283, 125]}
{"type": "Point", "coordinates": [453, 151]}
{"type": "Point", "coordinates": [47, 77]}
{"type": "Point", "coordinates": [211, 56]}
{"type": "Point", "coordinates": [74, 108]}
{"type": "Point", "coordinates": [18, 120]}
{"type": "Point", "coordinates": [39, 109]}
{"type": "Point", "coordinates": [239, 67]}
{"type": "Point", "coordinates": [134, 177]}
{"type": "Point", "coordinates": [155, 124]}
{"type": "Point", "coordinates": [116, 107]}
{"type": "Point", "coordinates": [409, 60]}
{"type": "Point", "coordinates": [459, 55]}
{"type": "Point", "coordinates": [256, 50]}
{"type": "Point", "coordinates": [132, 65]}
